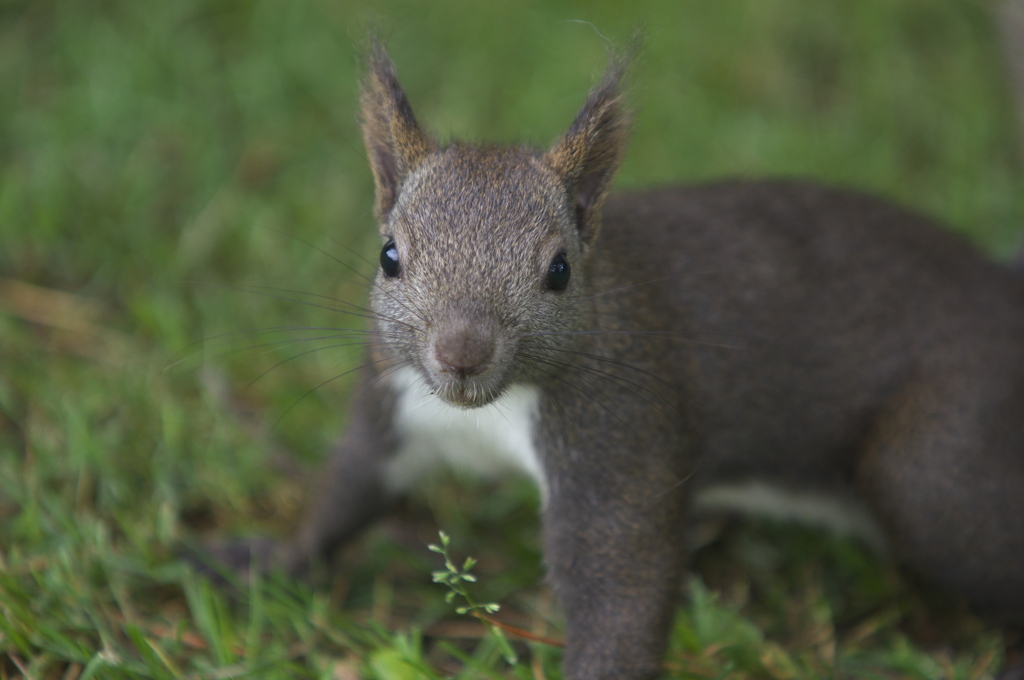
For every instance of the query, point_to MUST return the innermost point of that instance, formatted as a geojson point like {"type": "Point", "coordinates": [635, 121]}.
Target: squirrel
{"type": "Point", "coordinates": [643, 355]}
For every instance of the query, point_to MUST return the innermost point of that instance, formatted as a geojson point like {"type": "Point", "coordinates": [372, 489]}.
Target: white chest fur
{"type": "Point", "coordinates": [493, 440]}
{"type": "Point", "coordinates": [488, 441]}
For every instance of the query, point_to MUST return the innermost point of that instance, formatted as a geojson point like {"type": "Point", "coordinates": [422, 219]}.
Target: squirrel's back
{"type": "Point", "coordinates": [787, 312]}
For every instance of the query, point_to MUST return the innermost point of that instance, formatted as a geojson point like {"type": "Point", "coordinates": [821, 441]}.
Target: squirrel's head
{"type": "Point", "coordinates": [484, 247]}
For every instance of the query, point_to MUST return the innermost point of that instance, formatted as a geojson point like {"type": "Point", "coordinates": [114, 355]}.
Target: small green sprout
{"type": "Point", "coordinates": [456, 580]}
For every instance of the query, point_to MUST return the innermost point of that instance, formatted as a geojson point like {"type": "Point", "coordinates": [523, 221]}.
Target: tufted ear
{"type": "Point", "coordinates": [395, 145]}
{"type": "Point", "coordinates": [587, 157]}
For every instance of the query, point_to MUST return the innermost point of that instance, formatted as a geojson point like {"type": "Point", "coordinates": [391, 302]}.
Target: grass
{"type": "Point", "coordinates": [157, 160]}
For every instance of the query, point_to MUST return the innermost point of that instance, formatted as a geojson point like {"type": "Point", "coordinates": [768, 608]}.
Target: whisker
{"type": "Point", "coordinates": [387, 371]}
{"type": "Point", "coordinates": [683, 480]}
{"type": "Point", "coordinates": [310, 391]}
{"type": "Point", "coordinates": [566, 423]}
{"type": "Point", "coordinates": [373, 283]}
{"type": "Point", "coordinates": [268, 347]}
{"type": "Point", "coordinates": [361, 312]}
{"type": "Point", "coordinates": [670, 335]}
{"type": "Point", "coordinates": [616, 362]}
{"type": "Point", "coordinates": [686, 401]}
{"type": "Point", "coordinates": [356, 253]}
{"type": "Point", "coordinates": [206, 343]}
{"type": "Point", "coordinates": [622, 288]}
{"type": "Point", "coordinates": [580, 373]}
{"type": "Point", "coordinates": [302, 354]}
{"type": "Point", "coordinates": [642, 283]}
{"type": "Point", "coordinates": [561, 378]}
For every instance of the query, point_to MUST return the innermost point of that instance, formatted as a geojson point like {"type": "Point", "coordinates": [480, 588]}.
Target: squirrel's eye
{"type": "Point", "coordinates": [558, 273]}
{"type": "Point", "coordinates": [389, 259]}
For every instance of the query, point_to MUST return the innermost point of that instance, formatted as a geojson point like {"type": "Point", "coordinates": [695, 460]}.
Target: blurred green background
{"type": "Point", "coordinates": [158, 159]}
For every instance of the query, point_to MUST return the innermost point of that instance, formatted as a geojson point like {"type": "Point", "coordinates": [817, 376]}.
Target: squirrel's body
{"type": "Point", "coordinates": [711, 341]}
{"type": "Point", "coordinates": [800, 434]}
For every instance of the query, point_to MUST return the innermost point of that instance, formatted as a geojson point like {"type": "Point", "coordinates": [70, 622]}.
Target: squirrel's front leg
{"type": "Point", "coordinates": [351, 492]}
{"type": "Point", "coordinates": [614, 552]}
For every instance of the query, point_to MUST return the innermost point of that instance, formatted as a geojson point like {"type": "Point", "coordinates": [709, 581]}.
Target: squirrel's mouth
{"type": "Point", "coordinates": [466, 392]}
{"type": "Point", "coordinates": [457, 388]}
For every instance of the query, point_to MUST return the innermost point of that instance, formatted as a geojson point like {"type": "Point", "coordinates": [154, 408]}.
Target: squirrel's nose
{"type": "Point", "coordinates": [464, 346]}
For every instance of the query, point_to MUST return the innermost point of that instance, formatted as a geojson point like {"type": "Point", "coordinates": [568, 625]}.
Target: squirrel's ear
{"type": "Point", "coordinates": [587, 157]}
{"type": "Point", "coordinates": [394, 142]}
